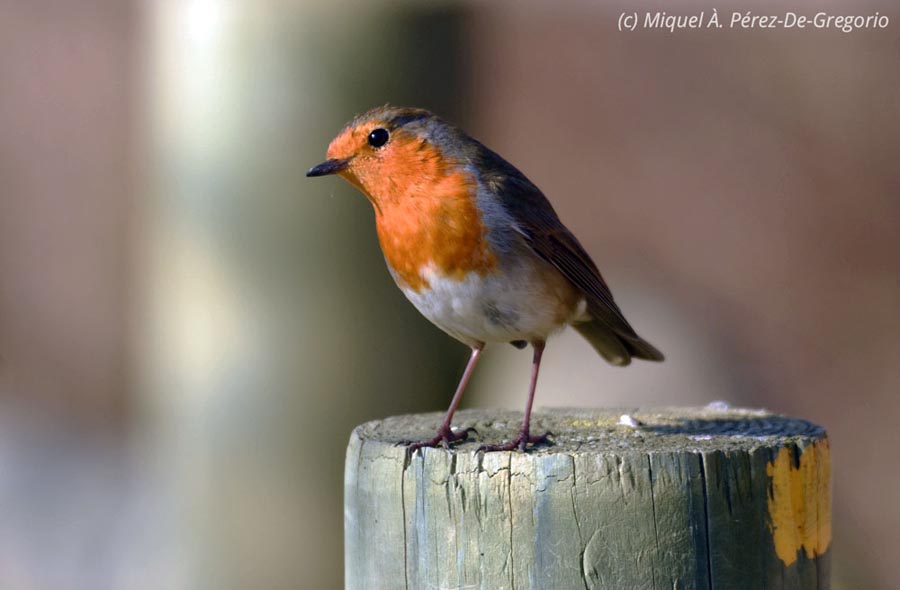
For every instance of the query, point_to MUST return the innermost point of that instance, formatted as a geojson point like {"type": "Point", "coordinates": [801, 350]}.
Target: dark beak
{"type": "Point", "coordinates": [327, 167]}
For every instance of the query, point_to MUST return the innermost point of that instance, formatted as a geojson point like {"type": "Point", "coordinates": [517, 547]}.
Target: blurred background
{"type": "Point", "coordinates": [189, 329]}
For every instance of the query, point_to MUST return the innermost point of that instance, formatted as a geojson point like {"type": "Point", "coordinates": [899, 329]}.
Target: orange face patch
{"type": "Point", "coordinates": [425, 207]}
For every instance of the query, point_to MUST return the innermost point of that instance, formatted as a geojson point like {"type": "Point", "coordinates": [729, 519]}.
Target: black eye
{"type": "Point", "coordinates": [378, 137]}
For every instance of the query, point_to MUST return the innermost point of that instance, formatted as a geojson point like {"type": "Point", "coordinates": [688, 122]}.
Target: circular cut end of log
{"type": "Point", "coordinates": [712, 498]}
{"type": "Point", "coordinates": [576, 430]}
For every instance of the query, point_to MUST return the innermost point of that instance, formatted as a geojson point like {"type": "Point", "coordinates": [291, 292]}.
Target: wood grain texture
{"type": "Point", "coordinates": [691, 498]}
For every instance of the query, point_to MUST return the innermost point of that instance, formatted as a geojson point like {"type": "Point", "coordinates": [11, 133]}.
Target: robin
{"type": "Point", "coordinates": [476, 247]}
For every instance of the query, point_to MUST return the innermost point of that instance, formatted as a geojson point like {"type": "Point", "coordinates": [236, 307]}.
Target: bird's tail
{"type": "Point", "coordinates": [616, 347]}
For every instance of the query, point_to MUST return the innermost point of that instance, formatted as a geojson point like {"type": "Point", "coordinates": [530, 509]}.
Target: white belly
{"type": "Point", "coordinates": [525, 304]}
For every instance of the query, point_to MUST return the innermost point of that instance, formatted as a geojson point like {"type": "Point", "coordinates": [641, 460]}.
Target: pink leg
{"type": "Point", "coordinates": [445, 435]}
{"type": "Point", "coordinates": [524, 438]}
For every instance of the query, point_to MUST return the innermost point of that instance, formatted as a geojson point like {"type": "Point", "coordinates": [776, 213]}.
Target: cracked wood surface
{"type": "Point", "coordinates": [690, 498]}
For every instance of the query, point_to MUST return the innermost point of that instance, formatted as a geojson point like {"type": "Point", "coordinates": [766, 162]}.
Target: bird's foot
{"type": "Point", "coordinates": [521, 442]}
{"type": "Point", "coordinates": [444, 437]}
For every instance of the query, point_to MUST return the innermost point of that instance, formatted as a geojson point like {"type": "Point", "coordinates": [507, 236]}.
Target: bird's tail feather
{"type": "Point", "coordinates": [617, 348]}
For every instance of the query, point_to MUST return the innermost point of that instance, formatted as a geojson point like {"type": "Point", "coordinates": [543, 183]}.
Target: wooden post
{"type": "Point", "coordinates": [687, 498]}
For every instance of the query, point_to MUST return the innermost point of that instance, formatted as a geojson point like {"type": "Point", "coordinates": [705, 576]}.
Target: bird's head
{"type": "Point", "coordinates": [389, 151]}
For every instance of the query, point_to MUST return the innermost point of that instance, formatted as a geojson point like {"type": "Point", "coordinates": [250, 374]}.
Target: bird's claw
{"type": "Point", "coordinates": [521, 443]}
{"type": "Point", "coordinates": [445, 437]}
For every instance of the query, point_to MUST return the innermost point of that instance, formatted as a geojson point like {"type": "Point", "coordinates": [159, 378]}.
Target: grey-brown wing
{"type": "Point", "coordinates": [534, 218]}
{"type": "Point", "coordinates": [538, 223]}
{"type": "Point", "coordinates": [561, 249]}
{"type": "Point", "coordinates": [609, 332]}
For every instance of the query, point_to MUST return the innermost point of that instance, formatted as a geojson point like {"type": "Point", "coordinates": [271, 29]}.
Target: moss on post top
{"type": "Point", "coordinates": [676, 429]}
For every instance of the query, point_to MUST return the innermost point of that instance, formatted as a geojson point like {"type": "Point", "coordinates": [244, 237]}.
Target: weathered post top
{"type": "Point", "coordinates": [712, 498]}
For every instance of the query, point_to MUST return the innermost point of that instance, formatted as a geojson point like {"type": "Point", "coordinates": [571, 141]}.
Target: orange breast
{"type": "Point", "coordinates": [426, 215]}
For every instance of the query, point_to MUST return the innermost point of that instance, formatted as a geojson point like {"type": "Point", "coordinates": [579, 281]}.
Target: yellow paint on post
{"type": "Point", "coordinates": [800, 502]}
